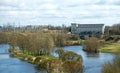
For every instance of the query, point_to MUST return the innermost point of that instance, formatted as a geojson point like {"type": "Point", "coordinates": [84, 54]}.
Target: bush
{"type": "Point", "coordinates": [69, 55]}
{"type": "Point", "coordinates": [91, 45]}
{"type": "Point", "coordinates": [72, 66]}
{"type": "Point", "coordinates": [49, 65]}
{"type": "Point", "coordinates": [72, 62]}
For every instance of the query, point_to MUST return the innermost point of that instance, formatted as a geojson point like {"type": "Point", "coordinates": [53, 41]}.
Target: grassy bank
{"type": "Point", "coordinates": [110, 47]}
{"type": "Point", "coordinates": [26, 56]}
{"type": "Point", "coordinates": [74, 42]}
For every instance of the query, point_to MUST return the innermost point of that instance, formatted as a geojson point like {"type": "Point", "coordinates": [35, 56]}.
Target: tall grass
{"type": "Point", "coordinates": [112, 67]}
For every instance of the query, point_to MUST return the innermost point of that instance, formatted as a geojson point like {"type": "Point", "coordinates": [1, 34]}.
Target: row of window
{"type": "Point", "coordinates": [89, 29]}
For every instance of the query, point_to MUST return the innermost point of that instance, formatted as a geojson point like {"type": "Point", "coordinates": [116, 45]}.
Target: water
{"type": "Point", "coordinates": [92, 62]}
{"type": "Point", "coordinates": [13, 65]}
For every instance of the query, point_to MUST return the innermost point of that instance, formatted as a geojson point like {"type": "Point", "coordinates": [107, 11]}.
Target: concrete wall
{"type": "Point", "coordinates": [87, 28]}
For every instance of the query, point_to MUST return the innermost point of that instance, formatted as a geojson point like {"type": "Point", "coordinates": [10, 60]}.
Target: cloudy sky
{"type": "Point", "coordinates": [58, 12]}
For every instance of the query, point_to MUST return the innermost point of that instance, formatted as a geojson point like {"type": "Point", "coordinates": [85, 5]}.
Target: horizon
{"type": "Point", "coordinates": [57, 13]}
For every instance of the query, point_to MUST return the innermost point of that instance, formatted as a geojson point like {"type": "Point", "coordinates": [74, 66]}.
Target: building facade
{"type": "Point", "coordinates": [87, 29]}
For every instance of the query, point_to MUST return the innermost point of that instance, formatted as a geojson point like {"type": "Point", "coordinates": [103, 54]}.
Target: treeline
{"type": "Point", "coordinates": [34, 44]}
{"type": "Point", "coordinates": [32, 28]}
{"type": "Point", "coordinates": [39, 43]}
{"type": "Point", "coordinates": [113, 30]}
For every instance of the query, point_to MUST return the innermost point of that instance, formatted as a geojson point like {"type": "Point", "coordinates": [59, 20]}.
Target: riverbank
{"type": "Point", "coordinates": [110, 47]}
{"type": "Point", "coordinates": [45, 63]}
{"type": "Point", "coordinates": [87, 59]}
{"type": "Point", "coordinates": [26, 57]}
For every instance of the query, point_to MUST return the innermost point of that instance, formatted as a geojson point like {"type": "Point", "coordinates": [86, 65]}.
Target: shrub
{"type": "Point", "coordinates": [69, 55]}
{"type": "Point", "coordinates": [72, 62]}
{"type": "Point", "coordinates": [72, 66]}
{"type": "Point", "coordinates": [49, 65]}
{"type": "Point", "coordinates": [91, 45]}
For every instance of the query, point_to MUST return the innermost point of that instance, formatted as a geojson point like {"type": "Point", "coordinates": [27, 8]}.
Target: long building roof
{"type": "Point", "coordinates": [87, 25]}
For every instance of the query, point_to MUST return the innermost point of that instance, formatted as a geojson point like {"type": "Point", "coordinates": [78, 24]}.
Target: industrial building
{"type": "Point", "coordinates": [90, 30]}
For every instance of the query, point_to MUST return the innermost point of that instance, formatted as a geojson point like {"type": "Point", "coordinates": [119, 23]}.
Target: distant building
{"type": "Point", "coordinates": [87, 29]}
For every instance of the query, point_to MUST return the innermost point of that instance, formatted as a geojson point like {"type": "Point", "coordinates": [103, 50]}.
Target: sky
{"type": "Point", "coordinates": [58, 12]}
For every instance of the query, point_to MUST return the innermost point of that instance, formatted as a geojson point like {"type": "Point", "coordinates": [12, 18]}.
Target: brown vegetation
{"type": "Point", "coordinates": [113, 67]}
{"type": "Point", "coordinates": [72, 62]}
{"type": "Point", "coordinates": [32, 43]}
{"type": "Point", "coordinates": [72, 66]}
{"type": "Point", "coordinates": [91, 45]}
{"type": "Point", "coordinates": [3, 38]}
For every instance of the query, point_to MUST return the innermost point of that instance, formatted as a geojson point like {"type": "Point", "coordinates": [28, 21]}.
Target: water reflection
{"type": "Point", "coordinates": [4, 56]}
{"type": "Point", "coordinates": [95, 55]}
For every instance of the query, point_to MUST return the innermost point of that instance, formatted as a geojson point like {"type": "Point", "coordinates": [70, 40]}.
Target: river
{"type": "Point", "coordinates": [92, 62]}
{"type": "Point", "coordinates": [14, 65]}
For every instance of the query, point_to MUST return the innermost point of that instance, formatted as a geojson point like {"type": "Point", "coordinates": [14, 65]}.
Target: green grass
{"type": "Point", "coordinates": [111, 48]}
{"type": "Point", "coordinates": [49, 56]}
{"type": "Point", "coordinates": [75, 42]}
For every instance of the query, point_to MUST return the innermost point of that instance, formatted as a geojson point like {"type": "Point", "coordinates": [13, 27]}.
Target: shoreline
{"type": "Point", "coordinates": [48, 62]}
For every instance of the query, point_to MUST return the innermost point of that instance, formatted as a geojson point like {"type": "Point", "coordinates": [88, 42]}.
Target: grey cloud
{"type": "Point", "coordinates": [8, 5]}
{"type": "Point", "coordinates": [108, 2]}
{"type": "Point", "coordinates": [61, 10]}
